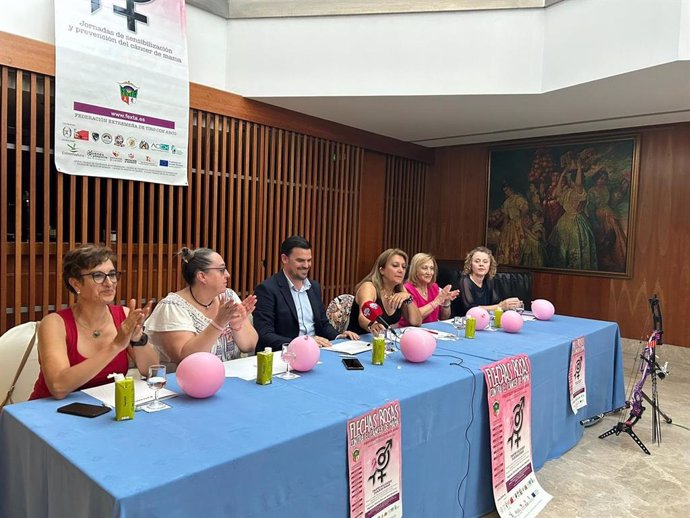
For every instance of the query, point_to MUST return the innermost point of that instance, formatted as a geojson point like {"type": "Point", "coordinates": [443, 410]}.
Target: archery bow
{"type": "Point", "coordinates": [649, 368]}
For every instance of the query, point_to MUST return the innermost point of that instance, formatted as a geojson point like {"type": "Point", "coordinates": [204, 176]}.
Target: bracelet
{"type": "Point", "coordinates": [408, 300]}
{"type": "Point", "coordinates": [143, 340]}
{"type": "Point", "coordinates": [445, 305]}
{"type": "Point", "coordinates": [217, 326]}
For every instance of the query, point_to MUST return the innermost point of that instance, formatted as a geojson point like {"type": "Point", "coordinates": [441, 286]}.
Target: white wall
{"type": "Point", "coordinates": [684, 24]}
{"type": "Point", "coordinates": [461, 53]}
{"type": "Point", "coordinates": [29, 18]}
{"type": "Point", "coordinates": [585, 40]}
{"type": "Point", "coordinates": [406, 54]}
{"type": "Point", "coordinates": [207, 48]}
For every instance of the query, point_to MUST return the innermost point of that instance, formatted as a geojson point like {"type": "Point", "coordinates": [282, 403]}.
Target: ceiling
{"type": "Point", "coordinates": [656, 95]}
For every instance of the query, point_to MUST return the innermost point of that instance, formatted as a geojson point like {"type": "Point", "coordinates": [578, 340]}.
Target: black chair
{"type": "Point", "coordinates": [449, 272]}
{"type": "Point", "coordinates": [509, 282]}
{"type": "Point", "coordinates": [515, 283]}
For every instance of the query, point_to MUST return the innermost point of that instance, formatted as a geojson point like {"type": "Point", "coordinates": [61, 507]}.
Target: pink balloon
{"type": "Point", "coordinates": [306, 352]}
{"type": "Point", "coordinates": [481, 316]}
{"type": "Point", "coordinates": [543, 309]}
{"type": "Point", "coordinates": [511, 321]}
{"type": "Point", "coordinates": [200, 375]}
{"type": "Point", "coordinates": [417, 345]}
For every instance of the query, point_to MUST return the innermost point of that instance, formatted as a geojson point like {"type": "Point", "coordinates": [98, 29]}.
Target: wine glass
{"type": "Point", "coordinates": [492, 322]}
{"type": "Point", "coordinates": [391, 341]}
{"type": "Point", "coordinates": [288, 356]}
{"type": "Point", "coordinates": [459, 324]}
{"type": "Point", "coordinates": [156, 380]}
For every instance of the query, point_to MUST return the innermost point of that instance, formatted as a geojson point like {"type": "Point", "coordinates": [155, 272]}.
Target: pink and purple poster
{"type": "Point", "coordinates": [375, 463]}
{"type": "Point", "coordinates": [516, 491]}
{"type": "Point", "coordinates": [576, 375]}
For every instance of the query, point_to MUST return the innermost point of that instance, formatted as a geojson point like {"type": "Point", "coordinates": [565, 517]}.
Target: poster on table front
{"type": "Point", "coordinates": [576, 375]}
{"type": "Point", "coordinates": [122, 89]}
{"type": "Point", "coordinates": [517, 492]}
{"type": "Point", "coordinates": [375, 463]}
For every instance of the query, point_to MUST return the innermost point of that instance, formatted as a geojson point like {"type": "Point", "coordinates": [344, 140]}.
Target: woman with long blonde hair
{"type": "Point", "coordinates": [384, 285]}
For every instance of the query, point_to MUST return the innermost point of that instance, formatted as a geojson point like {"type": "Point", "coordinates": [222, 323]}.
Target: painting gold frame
{"type": "Point", "coordinates": [565, 205]}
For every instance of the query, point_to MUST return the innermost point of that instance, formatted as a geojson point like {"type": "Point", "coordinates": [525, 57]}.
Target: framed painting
{"type": "Point", "coordinates": [567, 206]}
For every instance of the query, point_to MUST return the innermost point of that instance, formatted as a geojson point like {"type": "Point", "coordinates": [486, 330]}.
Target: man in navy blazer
{"type": "Point", "coordinates": [289, 303]}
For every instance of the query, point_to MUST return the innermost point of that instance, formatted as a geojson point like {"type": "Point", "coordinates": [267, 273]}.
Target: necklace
{"type": "Point", "coordinates": [96, 333]}
{"type": "Point", "coordinates": [205, 306]}
{"type": "Point", "coordinates": [424, 292]}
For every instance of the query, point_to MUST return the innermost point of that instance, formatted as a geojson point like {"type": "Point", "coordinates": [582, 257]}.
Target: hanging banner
{"type": "Point", "coordinates": [375, 463]}
{"type": "Point", "coordinates": [509, 392]}
{"type": "Point", "coordinates": [576, 375]}
{"type": "Point", "coordinates": [122, 89]}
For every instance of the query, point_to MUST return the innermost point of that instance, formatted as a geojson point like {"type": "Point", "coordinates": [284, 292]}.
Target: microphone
{"type": "Point", "coordinates": [373, 313]}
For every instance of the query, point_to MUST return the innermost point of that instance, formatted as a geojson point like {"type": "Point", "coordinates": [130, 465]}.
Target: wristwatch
{"type": "Point", "coordinates": [142, 341]}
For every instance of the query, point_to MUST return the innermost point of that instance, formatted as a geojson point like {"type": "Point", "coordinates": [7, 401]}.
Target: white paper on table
{"type": "Point", "coordinates": [349, 347]}
{"type": "Point", "coordinates": [142, 393]}
{"type": "Point", "coordinates": [245, 368]}
{"type": "Point", "coordinates": [440, 335]}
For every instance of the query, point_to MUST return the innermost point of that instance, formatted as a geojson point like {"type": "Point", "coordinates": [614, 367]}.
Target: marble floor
{"type": "Point", "coordinates": [613, 477]}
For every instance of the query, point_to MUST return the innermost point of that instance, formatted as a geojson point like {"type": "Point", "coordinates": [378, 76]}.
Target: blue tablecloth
{"type": "Point", "coordinates": [280, 450]}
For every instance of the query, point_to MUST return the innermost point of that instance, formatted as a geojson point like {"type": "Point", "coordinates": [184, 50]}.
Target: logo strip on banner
{"type": "Point", "coordinates": [577, 386]}
{"type": "Point", "coordinates": [122, 81]}
{"type": "Point", "coordinates": [375, 463]}
{"type": "Point", "coordinates": [517, 492]}
{"type": "Point", "coordinates": [120, 115]}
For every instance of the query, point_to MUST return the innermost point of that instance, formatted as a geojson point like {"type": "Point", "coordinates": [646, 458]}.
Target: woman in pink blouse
{"type": "Point", "coordinates": [433, 302]}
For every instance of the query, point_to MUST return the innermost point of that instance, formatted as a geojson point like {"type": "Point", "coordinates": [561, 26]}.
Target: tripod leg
{"type": "Point", "coordinates": [615, 430]}
{"type": "Point", "coordinates": [637, 440]}
{"type": "Point", "coordinates": [656, 407]}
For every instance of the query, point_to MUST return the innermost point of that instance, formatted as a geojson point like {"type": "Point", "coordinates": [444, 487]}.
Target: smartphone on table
{"type": "Point", "coordinates": [353, 364]}
{"type": "Point", "coordinates": [84, 409]}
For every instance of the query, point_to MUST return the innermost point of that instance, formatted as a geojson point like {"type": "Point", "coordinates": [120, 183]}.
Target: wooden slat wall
{"type": "Point", "coordinates": [250, 186]}
{"type": "Point", "coordinates": [404, 204]}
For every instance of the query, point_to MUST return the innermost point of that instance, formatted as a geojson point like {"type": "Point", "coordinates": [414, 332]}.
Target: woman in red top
{"type": "Point", "coordinates": [79, 346]}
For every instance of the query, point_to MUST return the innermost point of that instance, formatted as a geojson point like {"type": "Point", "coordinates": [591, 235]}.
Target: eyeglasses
{"type": "Point", "coordinates": [99, 277]}
{"type": "Point", "coordinates": [221, 269]}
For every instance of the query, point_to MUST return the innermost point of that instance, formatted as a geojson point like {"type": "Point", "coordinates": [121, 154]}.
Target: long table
{"type": "Point", "coordinates": [280, 450]}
